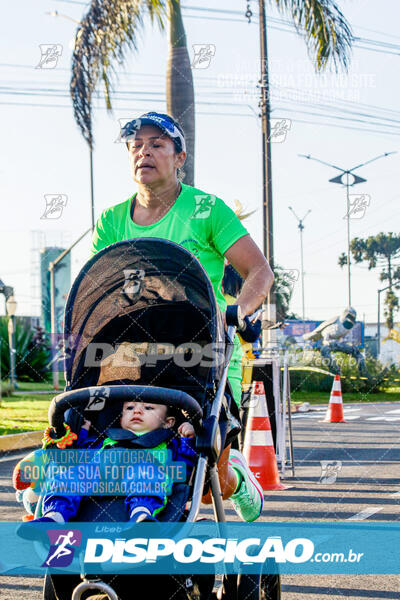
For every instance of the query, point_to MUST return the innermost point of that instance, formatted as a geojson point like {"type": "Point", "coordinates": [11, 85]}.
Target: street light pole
{"type": "Point", "coordinates": [344, 179]}
{"type": "Point", "coordinates": [301, 228]}
{"type": "Point", "coordinates": [11, 306]}
{"type": "Point", "coordinates": [53, 310]}
{"type": "Point", "coordinates": [348, 240]}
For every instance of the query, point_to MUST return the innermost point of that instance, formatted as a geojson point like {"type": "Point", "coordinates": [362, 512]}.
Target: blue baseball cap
{"type": "Point", "coordinates": [167, 124]}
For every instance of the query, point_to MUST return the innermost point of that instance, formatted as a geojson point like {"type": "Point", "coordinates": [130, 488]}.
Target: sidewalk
{"type": "Point", "coordinates": [27, 392]}
{"type": "Point", "coordinates": [19, 441]}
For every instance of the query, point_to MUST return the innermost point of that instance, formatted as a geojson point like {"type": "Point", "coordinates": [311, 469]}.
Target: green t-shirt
{"type": "Point", "coordinates": [200, 222]}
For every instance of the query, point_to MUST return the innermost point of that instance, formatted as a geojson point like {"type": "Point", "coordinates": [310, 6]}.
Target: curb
{"type": "Point", "coordinates": [18, 441]}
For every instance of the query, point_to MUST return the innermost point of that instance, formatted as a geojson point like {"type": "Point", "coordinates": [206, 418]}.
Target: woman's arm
{"type": "Point", "coordinates": [245, 256]}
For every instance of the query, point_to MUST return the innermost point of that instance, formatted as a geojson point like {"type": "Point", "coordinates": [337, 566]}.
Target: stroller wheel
{"type": "Point", "coordinates": [256, 587]}
{"type": "Point", "coordinates": [271, 587]}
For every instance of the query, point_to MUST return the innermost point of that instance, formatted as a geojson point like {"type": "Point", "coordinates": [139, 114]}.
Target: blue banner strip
{"type": "Point", "coordinates": [201, 547]}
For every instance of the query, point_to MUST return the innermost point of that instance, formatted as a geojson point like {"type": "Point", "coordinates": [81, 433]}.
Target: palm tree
{"type": "Point", "coordinates": [107, 31]}
{"type": "Point", "coordinates": [180, 89]}
{"type": "Point", "coordinates": [327, 33]}
{"type": "Point", "coordinates": [110, 28]}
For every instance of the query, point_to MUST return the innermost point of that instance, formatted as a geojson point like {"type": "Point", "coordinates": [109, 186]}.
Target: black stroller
{"type": "Point", "coordinates": [156, 295]}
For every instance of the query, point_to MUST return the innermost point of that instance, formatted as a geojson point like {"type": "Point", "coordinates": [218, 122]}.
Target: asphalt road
{"type": "Point", "coordinates": [342, 471]}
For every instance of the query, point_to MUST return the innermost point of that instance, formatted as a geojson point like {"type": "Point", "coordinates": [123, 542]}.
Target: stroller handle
{"type": "Point", "coordinates": [84, 398]}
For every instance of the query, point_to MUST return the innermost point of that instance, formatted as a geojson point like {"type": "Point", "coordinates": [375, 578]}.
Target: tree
{"type": "Point", "coordinates": [110, 28]}
{"type": "Point", "coordinates": [107, 31]}
{"type": "Point", "coordinates": [32, 351]}
{"type": "Point", "coordinates": [380, 251]}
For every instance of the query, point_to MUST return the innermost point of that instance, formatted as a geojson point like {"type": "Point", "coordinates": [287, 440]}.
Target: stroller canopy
{"type": "Point", "coordinates": [154, 297]}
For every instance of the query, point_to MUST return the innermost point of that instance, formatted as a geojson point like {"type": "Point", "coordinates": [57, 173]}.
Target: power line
{"type": "Point", "coordinates": [279, 24]}
{"type": "Point", "coordinates": [155, 96]}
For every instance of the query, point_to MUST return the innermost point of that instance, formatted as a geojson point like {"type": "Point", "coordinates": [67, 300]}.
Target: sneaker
{"type": "Point", "coordinates": [249, 498]}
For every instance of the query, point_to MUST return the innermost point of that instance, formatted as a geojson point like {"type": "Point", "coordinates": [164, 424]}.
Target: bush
{"type": "Point", "coordinates": [32, 352]}
{"type": "Point", "coordinates": [380, 378]}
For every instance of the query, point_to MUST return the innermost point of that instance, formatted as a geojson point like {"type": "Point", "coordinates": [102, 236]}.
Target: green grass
{"type": "Point", "coordinates": [30, 386]}
{"type": "Point", "coordinates": [390, 395]}
{"type": "Point", "coordinates": [33, 386]}
{"type": "Point", "coordinates": [19, 414]}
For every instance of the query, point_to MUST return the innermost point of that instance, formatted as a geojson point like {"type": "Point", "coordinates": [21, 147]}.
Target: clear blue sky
{"type": "Point", "coordinates": [345, 120]}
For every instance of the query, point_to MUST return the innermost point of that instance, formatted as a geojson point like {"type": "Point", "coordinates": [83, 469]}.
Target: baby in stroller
{"type": "Point", "coordinates": [153, 424]}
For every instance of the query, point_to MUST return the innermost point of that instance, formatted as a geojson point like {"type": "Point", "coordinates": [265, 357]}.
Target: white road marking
{"type": "Point", "coordinates": [298, 416]}
{"type": "Point", "coordinates": [393, 412]}
{"type": "Point", "coordinates": [383, 418]}
{"type": "Point", "coordinates": [352, 417]}
{"type": "Point", "coordinates": [364, 514]}
{"type": "Point", "coordinates": [15, 457]}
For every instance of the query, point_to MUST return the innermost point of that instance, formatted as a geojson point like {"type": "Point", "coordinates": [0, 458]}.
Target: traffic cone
{"type": "Point", "coordinates": [334, 414]}
{"type": "Point", "coordinates": [258, 446]}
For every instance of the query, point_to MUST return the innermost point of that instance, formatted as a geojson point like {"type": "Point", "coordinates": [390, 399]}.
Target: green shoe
{"type": "Point", "coordinates": [249, 498]}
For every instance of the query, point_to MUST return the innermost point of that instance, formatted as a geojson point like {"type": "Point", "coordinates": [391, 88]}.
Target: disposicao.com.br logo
{"type": "Point", "coordinates": [194, 550]}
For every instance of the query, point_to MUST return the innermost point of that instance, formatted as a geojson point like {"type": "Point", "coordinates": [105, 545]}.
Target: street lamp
{"type": "Point", "coordinates": [54, 324]}
{"type": "Point", "coordinates": [301, 227]}
{"type": "Point", "coordinates": [11, 306]}
{"type": "Point", "coordinates": [348, 179]}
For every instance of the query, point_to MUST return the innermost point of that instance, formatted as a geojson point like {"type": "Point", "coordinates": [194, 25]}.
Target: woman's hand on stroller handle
{"type": "Point", "coordinates": [249, 327]}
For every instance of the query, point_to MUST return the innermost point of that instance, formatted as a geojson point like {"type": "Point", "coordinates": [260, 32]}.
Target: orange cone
{"type": "Point", "coordinates": [334, 414]}
{"type": "Point", "coordinates": [258, 444]}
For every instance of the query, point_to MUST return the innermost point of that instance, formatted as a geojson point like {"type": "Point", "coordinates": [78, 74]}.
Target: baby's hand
{"type": "Point", "coordinates": [186, 430]}
{"type": "Point", "coordinates": [86, 424]}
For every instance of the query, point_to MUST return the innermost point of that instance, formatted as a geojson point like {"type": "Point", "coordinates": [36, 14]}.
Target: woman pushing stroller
{"type": "Point", "coordinates": [165, 208]}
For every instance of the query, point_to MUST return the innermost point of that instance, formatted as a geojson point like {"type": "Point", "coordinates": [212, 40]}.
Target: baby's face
{"type": "Point", "coordinates": [142, 417]}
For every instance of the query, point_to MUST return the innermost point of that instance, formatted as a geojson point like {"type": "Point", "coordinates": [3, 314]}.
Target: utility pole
{"type": "Point", "coordinates": [266, 142]}
{"type": "Point", "coordinates": [301, 228]}
{"type": "Point", "coordinates": [268, 235]}
{"type": "Point", "coordinates": [344, 179]}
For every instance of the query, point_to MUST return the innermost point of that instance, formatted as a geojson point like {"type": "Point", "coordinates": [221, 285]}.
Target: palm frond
{"type": "Point", "coordinates": [328, 34]}
{"type": "Point", "coordinates": [108, 30]}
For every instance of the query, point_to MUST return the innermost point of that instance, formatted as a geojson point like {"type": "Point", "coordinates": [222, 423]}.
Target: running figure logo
{"type": "Point", "coordinates": [133, 282]}
{"type": "Point", "coordinates": [329, 471]}
{"type": "Point", "coordinates": [204, 204]}
{"type": "Point", "coordinates": [50, 53]}
{"type": "Point", "coordinates": [98, 398]}
{"type": "Point", "coordinates": [55, 204]}
{"type": "Point", "coordinates": [203, 54]}
{"type": "Point", "coordinates": [358, 206]}
{"type": "Point", "coordinates": [61, 552]}
{"type": "Point", "coordinates": [279, 129]}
